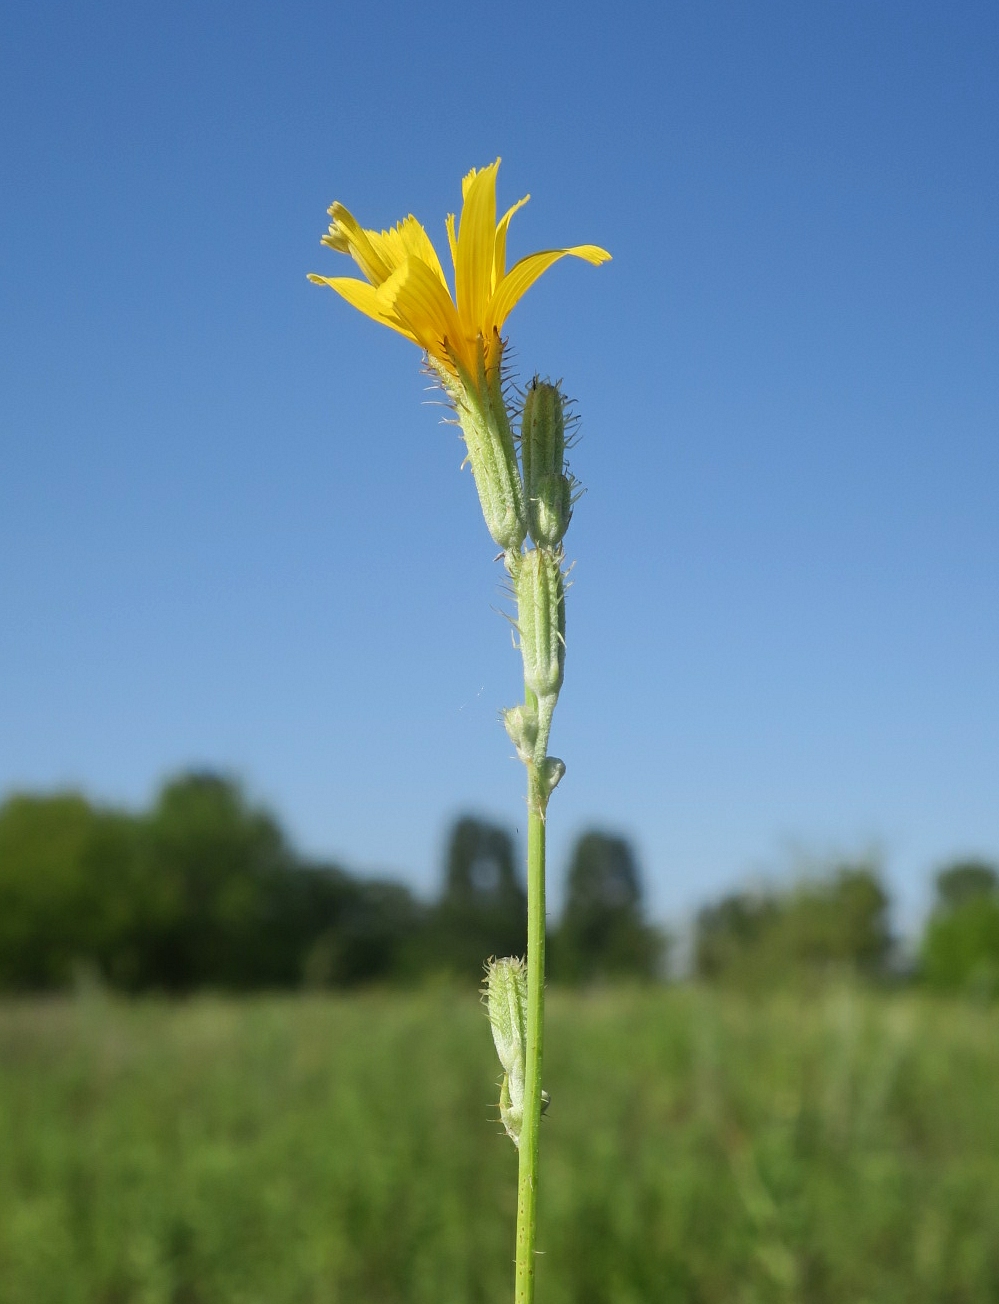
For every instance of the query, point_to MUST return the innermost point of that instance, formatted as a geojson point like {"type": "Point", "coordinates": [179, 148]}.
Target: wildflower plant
{"type": "Point", "coordinates": [516, 447]}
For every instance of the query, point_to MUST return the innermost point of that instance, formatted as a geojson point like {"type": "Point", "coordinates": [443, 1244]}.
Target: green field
{"type": "Point", "coordinates": [699, 1147]}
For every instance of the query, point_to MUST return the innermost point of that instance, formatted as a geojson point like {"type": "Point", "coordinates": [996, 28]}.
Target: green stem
{"type": "Point", "coordinates": [527, 1183]}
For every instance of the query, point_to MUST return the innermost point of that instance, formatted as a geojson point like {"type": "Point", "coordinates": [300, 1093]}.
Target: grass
{"type": "Point", "coordinates": [700, 1147]}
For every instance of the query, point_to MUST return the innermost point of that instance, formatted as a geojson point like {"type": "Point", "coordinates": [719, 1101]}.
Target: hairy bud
{"type": "Point", "coordinates": [522, 725]}
{"type": "Point", "coordinates": [547, 487]}
{"type": "Point", "coordinates": [539, 588]}
{"type": "Point", "coordinates": [505, 996]}
{"type": "Point", "coordinates": [485, 425]}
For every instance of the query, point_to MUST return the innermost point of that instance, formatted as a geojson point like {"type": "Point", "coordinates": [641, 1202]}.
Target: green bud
{"type": "Point", "coordinates": [539, 588]}
{"type": "Point", "coordinates": [549, 509]}
{"type": "Point", "coordinates": [505, 995]}
{"type": "Point", "coordinates": [547, 487]}
{"type": "Point", "coordinates": [552, 771]}
{"type": "Point", "coordinates": [522, 726]}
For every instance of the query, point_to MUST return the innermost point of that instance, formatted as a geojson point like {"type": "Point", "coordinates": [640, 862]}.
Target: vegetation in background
{"type": "Point", "coordinates": [702, 1146]}
{"type": "Point", "coordinates": [68, 889]}
{"type": "Point", "coordinates": [204, 890]}
{"type": "Point", "coordinates": [603, 934]}
{"type": "Point", "coordinates": [960, 949]}
{"type": "Point", "coordinates": [482, 910]}
{"type": "Point", "coordinates": [837, 924]}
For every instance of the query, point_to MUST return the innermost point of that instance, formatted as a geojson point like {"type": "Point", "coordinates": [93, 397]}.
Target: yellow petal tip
{"type": "Point", "coordinates": [592, 253]}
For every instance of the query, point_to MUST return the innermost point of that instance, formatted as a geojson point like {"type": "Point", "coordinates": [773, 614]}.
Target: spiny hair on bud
{"type": "Point", "coordinates": [507, 364]}
{"type": "Point", "coordinates": [438, 387]}
{"type": "Point", "coordinates": [433, 374]}
{"type": "Point", "coordinates": [573, 423]}
{"type": "Point", "coordinates": [571, 419]}
{"type": "Point", "coordinates": [510, 619]}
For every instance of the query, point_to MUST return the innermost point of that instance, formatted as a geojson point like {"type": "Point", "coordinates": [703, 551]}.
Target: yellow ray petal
{"type": "Point", "coordinates": [415, 297]}
{"type": "Point", "coordinates": [452, 240]}
{"type": "Point", "coordinates": [522, 276]}
{"type": "Point", "coordinates": [346, 235]}
{"type": "Point", "coordinates": [408, 239]}
{"type": "Point", "coordinates": [388, 250]}
{"type": "Point", "coordinates": [364, 297]}
{"type": "Point", "coordinates": [476, 237]}
{"type": "Point", "coordinates": [499, 249]}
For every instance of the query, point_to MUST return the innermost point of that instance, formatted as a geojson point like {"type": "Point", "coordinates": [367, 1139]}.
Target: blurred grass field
{"type": "Point", "coordinates": [700, 1147]}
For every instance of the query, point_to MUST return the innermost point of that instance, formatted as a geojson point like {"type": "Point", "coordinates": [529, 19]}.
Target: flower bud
{"type": "Point", "coordinates": [505, 995]}
{"type": "Point", "coordinates": [522, 725]}
{"type": "Point", "coordinates": [552, 773]}
{"type": "Point", "coordinates": [540, 592]}
{"type": "Point", "coordinates": [547, 488]}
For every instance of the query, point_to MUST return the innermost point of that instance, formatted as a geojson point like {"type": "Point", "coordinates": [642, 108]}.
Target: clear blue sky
{"type": "Point", "coordinates": [233, 535]}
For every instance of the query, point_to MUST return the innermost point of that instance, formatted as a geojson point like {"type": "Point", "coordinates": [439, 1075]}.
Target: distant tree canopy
{"type": "Point", "coordinates": [203, 890]}
{"type": "Point", "coordinates": [964, 881]}
{"type": "Point", "coordinates": [482, 910]}
{"type": "Point", "coordinates": [817, 926]}
{"type": "Point", "coordinates": [602, 933]}
{"type": "Point", "coordinates": [219, 875]}
{"type": "Point", "coordinates": [960, 950]}
{"type": "Point", "coordinates": [67, 888]}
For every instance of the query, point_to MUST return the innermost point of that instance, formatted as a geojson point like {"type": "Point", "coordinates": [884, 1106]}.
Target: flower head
{"type": "Point", "coordinates": [406, 288]}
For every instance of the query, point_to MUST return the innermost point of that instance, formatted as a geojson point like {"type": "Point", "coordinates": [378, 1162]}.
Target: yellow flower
{"type": "Point", "coordinates": [406, 287]}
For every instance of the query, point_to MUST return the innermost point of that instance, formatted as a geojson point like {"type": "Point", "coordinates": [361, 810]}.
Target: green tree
{"type": "Point", "coordinates": [730, 934]}
{"type": "Point", "coordinates": [235, 907]}
{"type": "Point", "coordinates": [67, 890]}
{"type": "Point", "coordinates": [482, 910]}
{"type": "Point", "coordinates": [835, 923]}
{"type": "Point", "coordinates": [361, 931]}
{"type": "Point", "coordinates": [965, 881]}
{"type": "Point", "coordinates": [202, 890]}
{"type": "Point", "coordinates": [602, 933]}
{"type": "Point", "coordinates": [215, 867]}
{"type": "Point", "coordinates": [960, 948]}
{"type": "Point", "coordinates": [230, 903]}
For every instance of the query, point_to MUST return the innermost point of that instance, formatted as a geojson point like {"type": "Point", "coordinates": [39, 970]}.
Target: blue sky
{"type": "Point", "coordinates": [233, 533]}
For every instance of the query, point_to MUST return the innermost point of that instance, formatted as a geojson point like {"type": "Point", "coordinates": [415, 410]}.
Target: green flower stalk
{"type": "Point", "coordinates": [530, 496]}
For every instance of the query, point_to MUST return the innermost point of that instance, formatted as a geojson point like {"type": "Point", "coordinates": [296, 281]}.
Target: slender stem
{"type": "Point", "coordinates": [527, 1184]}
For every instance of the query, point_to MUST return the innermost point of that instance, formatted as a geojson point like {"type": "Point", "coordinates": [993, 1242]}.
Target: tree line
{"type": "Point", "coordinates": [205, 890]}
{"type": "Point", "coordinates": [839, 924]}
